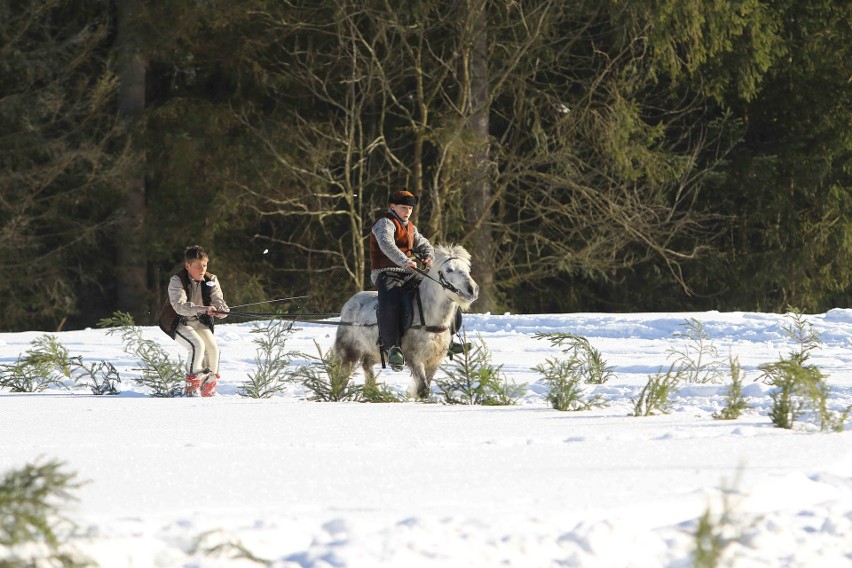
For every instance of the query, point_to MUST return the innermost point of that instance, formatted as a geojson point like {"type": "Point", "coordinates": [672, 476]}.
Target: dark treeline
{"type": "Point", "coordinates": [594, 155]}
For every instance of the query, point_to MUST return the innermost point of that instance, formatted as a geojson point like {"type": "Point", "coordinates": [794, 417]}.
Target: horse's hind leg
{"type": "Point", "coordinates": [367, 364]}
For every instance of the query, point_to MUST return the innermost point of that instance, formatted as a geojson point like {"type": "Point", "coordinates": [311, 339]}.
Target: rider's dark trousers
{"type": "Point", "coordinates": [389, 285]}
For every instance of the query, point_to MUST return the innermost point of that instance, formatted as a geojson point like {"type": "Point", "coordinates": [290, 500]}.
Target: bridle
{"type": "Point", "coordinates": [442, 280]}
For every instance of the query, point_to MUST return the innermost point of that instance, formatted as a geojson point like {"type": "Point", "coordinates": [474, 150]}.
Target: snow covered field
{"type": "Point", "coordinates": [232, 481]}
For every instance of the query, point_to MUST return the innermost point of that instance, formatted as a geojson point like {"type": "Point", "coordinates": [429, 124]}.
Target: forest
{"type": "Point", "coordinates": [592, 155]}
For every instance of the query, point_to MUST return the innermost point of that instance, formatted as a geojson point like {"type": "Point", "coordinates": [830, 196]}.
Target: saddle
{"type": "Point", "coordinates": [410, 299]}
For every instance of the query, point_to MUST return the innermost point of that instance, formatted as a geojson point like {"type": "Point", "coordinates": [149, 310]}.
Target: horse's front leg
{"type": "Point", "coordinates": [418, 389]}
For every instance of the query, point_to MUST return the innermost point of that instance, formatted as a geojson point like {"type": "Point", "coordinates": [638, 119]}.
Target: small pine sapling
{"type": "Point", "coordinates": [735, 402]}
{"type": "Point", "coordinates": [27, 376]}
{"type": "Point", "coordinates": [380, 393]}
{"type": "Point", "coordinates": [564, 384]}
{"type": "Point", "coordinates": [31, 520]}
{"type": "Point", "coordinates": [564, 377]}
{"type": "Point", "coordinates": [698, 357]}
{"type": "Point", "coordinates": [587, 361]}
{"type": "Point", "coordinates": [715, 533]}
{"type": "Point", "coordinates": [655, 397]}
{"type": "Point", "coordinates": [328, 378]}
{"type": "Point", "coordinates": [45, 364]}
{"type": "Point", "coordinates": [159, 372]}
{"type": "Point", "coordinates": [226, 548]}
{"type": "Point", "coordinates": [803, 335]}
{"type": "Point", "coordinates": [49, 350]}
{"type": "Point", "coordinates": [472, 379]}
{"type": "Point", "coordinates": [101, 377]}
{"type": "Point", "coordinates": [799, 386]}
{"type": "Point", "coordinates": [272, 361]}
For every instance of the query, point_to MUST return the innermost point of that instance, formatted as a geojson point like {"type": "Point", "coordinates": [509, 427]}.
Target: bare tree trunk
{"type": "Point", "coordinates": [477, 196]}
{"type": "Point", "coordinates": [131, 261]}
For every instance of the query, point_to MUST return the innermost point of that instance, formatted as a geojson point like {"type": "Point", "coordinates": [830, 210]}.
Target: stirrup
{"type": "Point", "coordinates": [459, 348]}
{"type": "Point", "coordinates": [396, 359]}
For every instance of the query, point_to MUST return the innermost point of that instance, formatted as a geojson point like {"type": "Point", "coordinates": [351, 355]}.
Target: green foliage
{"type": "Point", "coordinates": [380, 393]}
{"type": "Point", "coordinates": [62, 160]}
{"type": "Point", "coordinates": [48, 350]}
{"type": "Point", "coordinates": [472, 379]}
{"type": "Point", "coordinates": [31, 522]}
{"type": "Point", "coordinates": [710, 140]}
{"type": "Point", "coordinates": [564, 377]}
{"type": "Point", "coordinates": [159, 372]}
{"type": "Point", "coordinates": [43, 365]}
{"type": "Point", "coordinates": [22, 376]}
{"type": "Point", "coordinates": [735, 403]}
{"type": "Point", "coordinates": [565, 391]}
{"type": "Point", "coordinates": [800, 387]}
{"type": "Point", "coordinates": [803, 335]}
{"type": "Point", "coordinates": [714, 533]}
{"type": "Point", "coordinates": [224, 547]}
{"type": "Point", "coordinates": [272, 360]}
{"type": "Point", "coordinates": [100, 377]}
{"type": "Point", "coordinates": [326, 376]}
{"type": "Point", "coordinates": [698, 358]}
{"type": "Point", "coordinates": [788, 191]}
{"type": "Point", "coordinates": [655, 396]}
{"type": "Point", "coordinates": [586, 361]}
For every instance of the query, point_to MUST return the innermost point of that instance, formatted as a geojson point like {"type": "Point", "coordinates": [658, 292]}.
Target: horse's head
{"type": "Point", "coordinates": [452, 269]}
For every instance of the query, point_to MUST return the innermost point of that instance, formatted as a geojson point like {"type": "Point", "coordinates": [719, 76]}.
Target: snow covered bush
{"type": "Point", "coordinates": [45, 364]}
{"type": "Point", "coordinates": [100, 377]}
{"type": "Point", "coordinates": [272, 361]}
{"type": "Point", "coordinates": [565, 377]}
{"type": "Point", "coordinates": [716, 533]}
{"type": "Point", "coordinates": [472, 379]}
{"type": "Point", "coordinates": [32, 527]}
{"type": "Point", "coordinates": [586, 362]}
{"type": "Point", "coordinates": [800, 387]}
{"type": "Point", "coordinates": [327, 378]}
{"type": "Point", "coordinates": [656, 396]}
{"type": "Point", "coordinates": [162, 374]}
{"type": "Point", "coordinates": [698, 358]}
{"type": "Point", "coordinates": [735, 403]}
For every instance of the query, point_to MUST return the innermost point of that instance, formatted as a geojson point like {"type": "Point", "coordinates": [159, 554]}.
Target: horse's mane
{"type": "Point", "coordinates": [443, 252]}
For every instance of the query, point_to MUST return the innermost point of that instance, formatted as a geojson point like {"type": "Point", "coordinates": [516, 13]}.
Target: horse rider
{"type": "Point", "coordinates": [395, 244]}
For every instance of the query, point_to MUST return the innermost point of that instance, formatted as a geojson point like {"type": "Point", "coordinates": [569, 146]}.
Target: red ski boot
{"type": "Point", "coordinates": [193, 385]}
{"type": "Point", "coordinates": [208, 387]}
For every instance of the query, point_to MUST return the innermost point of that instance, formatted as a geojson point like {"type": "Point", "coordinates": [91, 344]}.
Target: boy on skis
{"type": "Point", "coordinates": [195, 301]}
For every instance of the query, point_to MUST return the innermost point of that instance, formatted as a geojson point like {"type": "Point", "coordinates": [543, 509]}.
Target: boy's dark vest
{"type": "Point", "coordinates": [403, 236]}
{"type": "Point", "coordinates": [169, 318]}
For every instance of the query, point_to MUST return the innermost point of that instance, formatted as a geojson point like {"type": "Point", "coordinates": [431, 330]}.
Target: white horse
{"type": "Point", "coordinates": [447, 285]}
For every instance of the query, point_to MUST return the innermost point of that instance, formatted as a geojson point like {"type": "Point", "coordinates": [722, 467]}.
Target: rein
{"type": "Point", "coordinates": [442, 281]}
{"type": "Point", "coordinates": [318, 317]}
{"type": "Point", "coordinates": [305, 318]}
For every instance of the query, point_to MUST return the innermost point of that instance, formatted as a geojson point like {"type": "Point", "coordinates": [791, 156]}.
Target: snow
{"type": "Point", "coordinates": [228, 480]}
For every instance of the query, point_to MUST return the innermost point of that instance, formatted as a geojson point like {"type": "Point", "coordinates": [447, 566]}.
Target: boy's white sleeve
{"type": "Point", "coordinates": [422, 246]}
{"type": "Point", "coordinates": [178, 299]}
